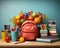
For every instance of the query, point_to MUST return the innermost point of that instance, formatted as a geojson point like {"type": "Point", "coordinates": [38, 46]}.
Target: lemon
{"type": "Point", "coordinates": [22, 39]}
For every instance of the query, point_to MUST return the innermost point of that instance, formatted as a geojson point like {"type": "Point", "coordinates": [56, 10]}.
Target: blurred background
{"type": "Point", "coordinates": [10, 8]}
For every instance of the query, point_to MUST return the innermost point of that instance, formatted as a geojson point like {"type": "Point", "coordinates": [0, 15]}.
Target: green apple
{"type": "Point", "coordinates": [22, 20]}
{"type": "Point", "coordinates": [34, 14]}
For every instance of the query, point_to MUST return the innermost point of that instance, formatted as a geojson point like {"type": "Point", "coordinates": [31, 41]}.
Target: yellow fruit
{"type": "Point", "coordinates": [17, 17]}
{"type": "Point", "coordinates": [22, 39]}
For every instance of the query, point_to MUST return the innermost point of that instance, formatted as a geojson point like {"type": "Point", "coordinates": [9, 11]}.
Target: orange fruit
{"type": "Point", "coordinates": [21, 15]}
{"type": "Point", "coordinates": [17, 21]}
{"type": "Point", "coordinates": [30, 18]}
{"type": "Point", "coordinates": [37, 20]}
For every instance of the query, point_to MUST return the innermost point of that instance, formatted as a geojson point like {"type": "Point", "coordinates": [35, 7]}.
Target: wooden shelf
{"type": "Point", "coordinates": [30, 44]}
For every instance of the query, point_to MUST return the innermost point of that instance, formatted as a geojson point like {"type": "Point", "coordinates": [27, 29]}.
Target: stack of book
{"type": "Point", "coordinates": [43, 31]}
{"type": "Point", "coordinates": [47, 39]}
{"type": "Point", "coordinates": [52, 28]}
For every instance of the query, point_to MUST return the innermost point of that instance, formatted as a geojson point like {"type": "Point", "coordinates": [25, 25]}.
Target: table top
{"type": "Point", "coordinates": [30, 43]}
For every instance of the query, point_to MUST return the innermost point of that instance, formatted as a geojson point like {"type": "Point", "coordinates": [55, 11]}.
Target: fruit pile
{"type": "Point", "coordinates": [34, 16]}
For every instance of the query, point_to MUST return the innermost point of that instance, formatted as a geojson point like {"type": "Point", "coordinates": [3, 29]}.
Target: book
{"type": "Point", "coordinates": [52, 32]}
{"type": "Point", "coordinates": [52, 25]}
{"type": "Point", "coordinates": [48, 40]}
{"type": "Point", "coordinates": [44, 34]}
{"type": "Point", "coordinates": [43, 31]}
{"type": "Point", "coordinates": [52, 29]}
{"type": "Point", "coordinates": [52, 22]}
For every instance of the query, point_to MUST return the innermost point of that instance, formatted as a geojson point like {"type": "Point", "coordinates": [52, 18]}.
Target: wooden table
{"type": "Point", "coordinates": [30, 44]}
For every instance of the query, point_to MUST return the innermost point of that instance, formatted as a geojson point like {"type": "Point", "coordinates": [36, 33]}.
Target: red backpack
{"type": "Point", "coordinates": [29, 30]}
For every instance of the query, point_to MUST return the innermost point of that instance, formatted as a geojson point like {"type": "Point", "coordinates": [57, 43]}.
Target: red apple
{"type": "Point", "coordinates": [7, 39]}
{"type": "Point", "coordinates": [13, 29]}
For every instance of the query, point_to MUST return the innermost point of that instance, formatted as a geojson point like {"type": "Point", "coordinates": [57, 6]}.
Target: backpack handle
{"type": "Point", "coordinates": [26, 22]}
